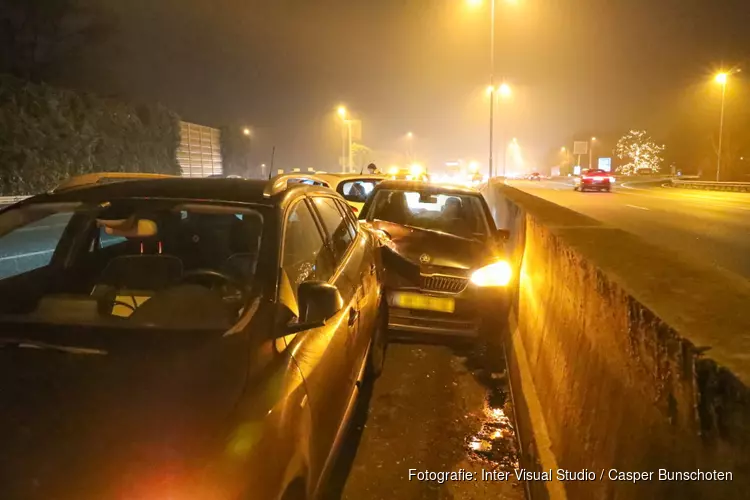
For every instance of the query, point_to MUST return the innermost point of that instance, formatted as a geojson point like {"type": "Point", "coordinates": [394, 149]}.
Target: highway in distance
{"type": "Point", "coordinates": [710, 226]}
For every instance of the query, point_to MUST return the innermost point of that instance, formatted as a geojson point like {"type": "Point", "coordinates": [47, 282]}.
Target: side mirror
{"type": "Point", "coordinates": [502, 235]}
{"type": "Point", "coordinates": [318, 302]}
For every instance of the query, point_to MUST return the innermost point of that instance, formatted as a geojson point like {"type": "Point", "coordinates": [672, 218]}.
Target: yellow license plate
{"type": "Point", "coordinates": [425, 302]}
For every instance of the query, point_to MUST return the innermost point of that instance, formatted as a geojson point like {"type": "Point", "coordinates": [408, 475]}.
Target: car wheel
{"type": "Point", "coordinates": [575, 188]}
{"type": "Point", "coordinates": [378, 346]}
{"type": "Point", "coordinates": [608, 189]}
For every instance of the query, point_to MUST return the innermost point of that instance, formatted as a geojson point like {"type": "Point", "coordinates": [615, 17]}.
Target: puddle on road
{"type": "Point", "coordinates": [496, 443]}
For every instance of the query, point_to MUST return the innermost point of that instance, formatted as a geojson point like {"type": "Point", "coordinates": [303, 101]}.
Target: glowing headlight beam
{"type": "Point", "coordinates": [496, 274]}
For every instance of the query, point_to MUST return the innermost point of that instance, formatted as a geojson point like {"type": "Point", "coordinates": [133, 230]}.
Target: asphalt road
{"type": "Point", "coordinates": [436, 409]}
{"type": "Point", "coordinates": [709, 226]}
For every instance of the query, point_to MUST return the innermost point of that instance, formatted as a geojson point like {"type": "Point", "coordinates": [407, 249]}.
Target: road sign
{"type": "Point", "coordinates": [580, 147]}
{"type": "Point", "coordinates": [605, 164]}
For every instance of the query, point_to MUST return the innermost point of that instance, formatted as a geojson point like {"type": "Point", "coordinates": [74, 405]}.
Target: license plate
{"type": "Point", "coordinates": [425, 302]}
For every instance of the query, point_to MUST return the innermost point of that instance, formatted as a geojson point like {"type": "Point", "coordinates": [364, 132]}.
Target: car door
{"type": "Point", "coordinates": [350, 258]}
{"type": "Point", "coordinates": [322, 354]}
{"type": "Point", "coordinates": [363, 269]}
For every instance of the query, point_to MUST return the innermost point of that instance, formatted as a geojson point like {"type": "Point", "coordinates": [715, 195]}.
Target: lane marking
{"type": "Point", "coordinates": [22, 255]}
{"type": "Point", "coordinates": [636, 206]}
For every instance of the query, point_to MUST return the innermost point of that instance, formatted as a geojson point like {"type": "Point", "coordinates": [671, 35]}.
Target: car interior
{"type": "Point", "coordinates": [143, 264]}
{"type": "Point", "coordinates": [455, 214]}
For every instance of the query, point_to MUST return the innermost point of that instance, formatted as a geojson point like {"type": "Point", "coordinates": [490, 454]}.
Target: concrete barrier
{"type": "Point", "coordinates": [623, 357]}
{"type": "Point", "coordinates": [737, 187]}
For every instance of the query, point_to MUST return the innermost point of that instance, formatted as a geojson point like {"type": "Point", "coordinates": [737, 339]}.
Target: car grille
{"type": "Point", "coordinates": [443, 283]}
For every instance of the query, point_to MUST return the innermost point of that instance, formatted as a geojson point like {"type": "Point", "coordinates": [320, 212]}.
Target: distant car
{"type": "Point", "coordinates": [536, 176]}
{"type": "Point", "coordinates": [182, 339]}
{"type": "Point", "coordinates": [446, 273]}
{"type": "Point", "coordinates": [594, 180]}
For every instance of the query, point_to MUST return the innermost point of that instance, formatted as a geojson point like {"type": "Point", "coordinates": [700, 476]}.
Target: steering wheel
{"type": "Point", "coordinates": [233, 291]}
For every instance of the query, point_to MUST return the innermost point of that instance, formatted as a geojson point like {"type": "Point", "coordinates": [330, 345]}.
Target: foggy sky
{"type": "Point", "coordinates": [282, 66]}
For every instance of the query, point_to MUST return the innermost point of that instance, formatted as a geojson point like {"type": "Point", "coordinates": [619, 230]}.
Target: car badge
{"type": "Point", "coordinates": [424, 258]}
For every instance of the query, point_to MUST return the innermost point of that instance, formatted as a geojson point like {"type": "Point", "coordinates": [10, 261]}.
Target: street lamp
{"type": "Point", "coordinates": [249, 134]}
{"type": "Point", "coordinates": [476, 3]}
{"type": "Point", "coordinates": [504, 91]}
{"type": "Point", "coordinates": [410, 139]}
{"type": "Point", "coordinates": [591, 151]}
{"type": "Point", "coordinates": [722, 79]}
{"type": "Point", "coordinates": [342, 114]}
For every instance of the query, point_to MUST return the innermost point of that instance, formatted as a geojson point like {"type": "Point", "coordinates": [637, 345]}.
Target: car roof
{"type": "Point", "coordinates": [402, 185]}
{"type": "Point", "coordinates": [180, 188]}
{"type": "Point", "coordinates": [104, 177]}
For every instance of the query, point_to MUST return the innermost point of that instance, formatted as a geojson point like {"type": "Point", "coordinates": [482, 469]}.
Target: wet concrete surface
{"type": "Point", "coordinates": [437, 409]}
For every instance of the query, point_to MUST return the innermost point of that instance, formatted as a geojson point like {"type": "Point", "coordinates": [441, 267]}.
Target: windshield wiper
{"type": "Point", "coordinates": [44, 346]}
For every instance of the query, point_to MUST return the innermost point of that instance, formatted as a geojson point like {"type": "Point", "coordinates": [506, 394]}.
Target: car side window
{"type": "Point", "coordinates": [305, 256]}
{"type": "Point", "coordinates": [351, 221]}
{"type": "Point", "coordinates": [335, 225]}
{"type": "Point", "coordinates": [32, 246]}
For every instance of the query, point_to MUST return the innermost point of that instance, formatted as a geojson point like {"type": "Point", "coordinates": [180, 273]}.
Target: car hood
{"type": "Point", "coordinates": [426, 248]}
{"type": "Point", "coordinates": [95, 426]}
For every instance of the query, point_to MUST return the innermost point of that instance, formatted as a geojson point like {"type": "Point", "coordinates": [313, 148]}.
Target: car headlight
{"type": "Point", "coordinates": [496, 274]}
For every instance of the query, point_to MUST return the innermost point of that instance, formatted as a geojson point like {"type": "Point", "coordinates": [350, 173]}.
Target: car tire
{"type": "Point", "coordinates": [378, 346]}
{"type": "Point", "coordinates": [575, 188]}
{"type": "Point", "coordinates": [609, 190]}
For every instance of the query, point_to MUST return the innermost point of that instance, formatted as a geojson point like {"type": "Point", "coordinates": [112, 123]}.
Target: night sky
{"type": "Point", "coordinates": [577, 67]}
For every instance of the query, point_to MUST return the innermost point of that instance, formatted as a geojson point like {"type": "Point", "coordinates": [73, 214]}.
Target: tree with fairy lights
{"type": "Point", "coordinates": [640, 151]}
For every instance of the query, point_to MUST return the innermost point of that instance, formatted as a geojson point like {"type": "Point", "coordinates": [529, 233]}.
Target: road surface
{"type": "Point", "coordinates": [436, 409]}
{"type": "Point", "coordinates": [712, 227]}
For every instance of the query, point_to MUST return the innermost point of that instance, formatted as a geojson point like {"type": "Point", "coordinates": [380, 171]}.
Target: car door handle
{"type": "Point", "coordinates": [353, 316]}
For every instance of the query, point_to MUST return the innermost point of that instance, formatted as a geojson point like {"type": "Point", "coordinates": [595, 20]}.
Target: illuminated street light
{"type": "Point", "coordinates": [246, 131]}
{"type": "Point", "coordinates": [476, 3]}
{"type": "Point", "coordinates": [722, 79]}
{"type": "Point", "coordinates": [505, 90]}
{"type": "Point", "coordinates": [349, 164]}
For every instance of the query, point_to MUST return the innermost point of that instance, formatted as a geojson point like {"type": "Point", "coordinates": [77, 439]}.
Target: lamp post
{"type": "Point", "coordinates": [722, 79]}
{"type": "Point", "coordinates": [346, 159]}
{"type": "Point", "coordinates": [591, 152]}
{"type": "Point", "coordinates": [502, 92]}
{"type": "Point", "coordinates": [249, 134]}
{"type": "Point", "coordinates": [492, 70]}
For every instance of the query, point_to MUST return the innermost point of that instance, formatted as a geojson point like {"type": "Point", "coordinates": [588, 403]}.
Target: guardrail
{"type": "Point", "coordinates": [738, 187]}
{"type": "Point", "coordinates": [9, 200]}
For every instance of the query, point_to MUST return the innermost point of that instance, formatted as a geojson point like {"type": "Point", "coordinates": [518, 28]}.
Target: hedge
{"type": "Point", "coordinates": [48, 134]}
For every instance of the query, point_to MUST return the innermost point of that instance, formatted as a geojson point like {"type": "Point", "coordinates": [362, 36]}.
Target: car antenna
{"type": "Point", "coordinates": [270, 170]}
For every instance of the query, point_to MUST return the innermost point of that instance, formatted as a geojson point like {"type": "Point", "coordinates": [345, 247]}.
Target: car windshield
{"type": "Point", "coordinates": [453, 213]}
{"type": "Point", "coordinates": [128, 263]}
